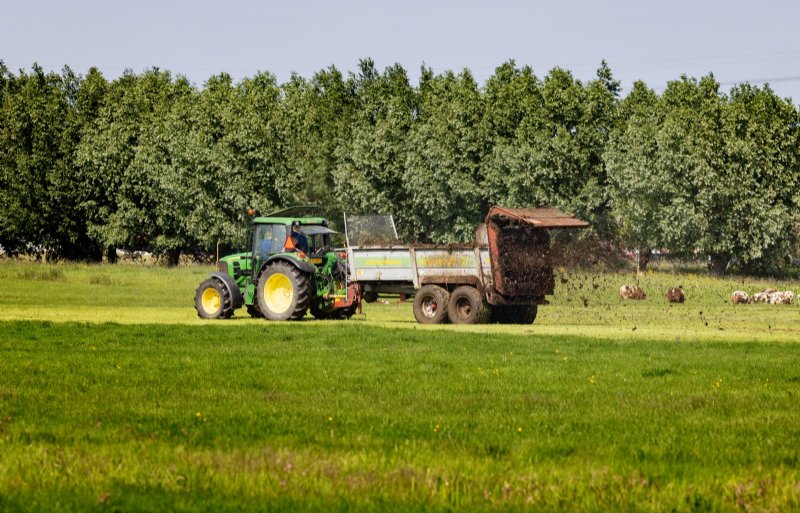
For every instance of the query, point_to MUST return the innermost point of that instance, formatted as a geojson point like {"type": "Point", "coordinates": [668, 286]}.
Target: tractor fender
{"type": "Point", "coordinates": [303, 266]}
{"type": "Point", "coordinates": [233, 289]}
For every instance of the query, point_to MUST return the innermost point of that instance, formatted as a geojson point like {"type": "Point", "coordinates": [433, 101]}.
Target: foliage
{"type": "Point", "coordinates": [371, 162]}
{"type": "Point", "coordinates": [442, 179]}
{"type": "Point", "coordinates": [695, 170]}
{"type": "Point", "coordinates": [40, 114]}
{"type": "Point", "coordinates": [548, 140]}
{"type": "Point", "coordinates": [151, 162]}
{"type": "Point", "coordinates": [117, 192]}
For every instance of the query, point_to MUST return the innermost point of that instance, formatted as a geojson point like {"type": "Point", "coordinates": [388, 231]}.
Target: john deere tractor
{"type": "Point", "coordinates": [290, 270]}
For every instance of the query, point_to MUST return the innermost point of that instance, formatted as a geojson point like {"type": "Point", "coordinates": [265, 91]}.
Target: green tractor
{"type": "Point", "coordinates": [290, 270]}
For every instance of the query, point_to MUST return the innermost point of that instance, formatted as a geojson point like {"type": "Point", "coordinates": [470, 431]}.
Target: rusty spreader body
{"type": "Point", "coordinates": [502, 276]}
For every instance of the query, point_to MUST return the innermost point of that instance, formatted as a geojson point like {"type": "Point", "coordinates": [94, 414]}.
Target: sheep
{"type": "Point", "coordinates": [773, 297]}
{"type": "Point", "coordinates": [769, 296]}
{"type": "Point", "coordinates": [740, 297]}
{"type": "Point", "coordinates": [675, 295]}
{"type": "Point", "coordinates": [631, 292]}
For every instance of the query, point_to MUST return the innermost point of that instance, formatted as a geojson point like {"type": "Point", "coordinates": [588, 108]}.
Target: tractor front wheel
{"type": "Point", "coordinates": [430, 304]}
{"type": "Point", "coordinates": [212, 300]}
{"type": "Point", "coordinates": [284, 292]}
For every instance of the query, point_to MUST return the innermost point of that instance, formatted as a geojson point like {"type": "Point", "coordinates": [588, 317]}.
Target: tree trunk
{"type": "Point", "coordinates": [173, 257]}
{"type": "Point", "coordinates": [111, 255]}
{"type": "Point", "coordinates": [718, 264]}
{"type": "Point", "coordinates": [644, 258]}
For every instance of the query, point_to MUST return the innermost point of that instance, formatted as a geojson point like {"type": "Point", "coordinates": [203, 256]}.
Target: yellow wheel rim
{"type": "Point", "coordinates": [278, 291]}
{"type": "Point", "coordinates": [211, 300]}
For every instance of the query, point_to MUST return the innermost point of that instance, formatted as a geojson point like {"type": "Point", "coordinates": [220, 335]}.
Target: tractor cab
{"type": "Point", "coordinates": [273, 236]}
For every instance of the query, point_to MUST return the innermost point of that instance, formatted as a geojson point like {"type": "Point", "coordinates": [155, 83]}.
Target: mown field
{"type": "Point", "coordinates": [114, 396]}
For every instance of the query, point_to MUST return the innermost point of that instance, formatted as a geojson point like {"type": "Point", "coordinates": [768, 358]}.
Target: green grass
{"type": "Point", "coordinates": [140, 406]}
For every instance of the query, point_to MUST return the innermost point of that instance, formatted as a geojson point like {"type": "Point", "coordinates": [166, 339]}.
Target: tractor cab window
{"type": "Point", "coordinates": [268, 239]}
{"type": "Point", "coordinates": [318, 237]}
{"type": "Point", "coordinates": [262, 240]}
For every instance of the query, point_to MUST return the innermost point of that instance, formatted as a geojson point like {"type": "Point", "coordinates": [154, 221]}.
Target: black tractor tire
{"type": "Point", "coordinates": [254, 312]}
{"type": "Point", "coordinates": [339, 313]}
{"type": "Point", "coordinates": [284, 292]}
{"type": "Point", "coordinates": [467, 306]}
{"type": "Point", "coordinates": [212, 300]}
{"type": "Point", "coordinates": [370, 296]}
{"type": "Point", "coordinates": [346, 313]}
{"type": "Point", "coordinates": [430, 304]}
{"type": "Point", "coordinates": [322, 315]}
{"type": "Point", "coordinates": [514, 314]}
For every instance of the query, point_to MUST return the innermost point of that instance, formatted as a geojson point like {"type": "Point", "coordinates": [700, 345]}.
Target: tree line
{"type": "Point", "coordinates": [149, 161]}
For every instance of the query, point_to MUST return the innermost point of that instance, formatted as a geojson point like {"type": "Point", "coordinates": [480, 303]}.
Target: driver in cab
{"type": "Point", "coordinates": [298, 239]}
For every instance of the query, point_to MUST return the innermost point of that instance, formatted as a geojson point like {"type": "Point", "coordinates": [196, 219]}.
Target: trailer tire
{"type": "Point", "coordinates": [284, 292]}
{"type": "Point", "coordinates": [466, 306]}
{"type": "Point", "coordinates": [370, 296]}
{"type": "Point", "coordinates": [514, 314]}
{"type": "Point", "coordinates": [212, 300]}
{"type": "Point", "coordinates": [430, 304]}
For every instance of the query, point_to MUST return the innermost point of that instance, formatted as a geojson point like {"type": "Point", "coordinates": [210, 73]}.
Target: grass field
{"type": "Point", "coordinates": [114, 396]}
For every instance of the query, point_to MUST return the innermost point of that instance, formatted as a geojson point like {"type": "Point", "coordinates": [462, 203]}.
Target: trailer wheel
{"type": "Point", "coordinates": [514, 314]}
{"type": "Point", "coordinates": [212, 300]}
{"type": "Point", "coordinates": [430, 304]}
{"type": "Point", "coordinates": [284, 292]}
{"type": "Point", "coordinates": [466, 306]}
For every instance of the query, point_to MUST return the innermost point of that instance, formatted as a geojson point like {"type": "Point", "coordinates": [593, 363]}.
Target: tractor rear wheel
{"type": "Point", "coordinates": [212, 300]}
{"type": "Point", "coordinates": [430, 304]}
{"type": "Point", "coordinates": [466, 306]}
{"type": "Point", "coordinates": [284, 292]}
{"type": "Point", "coordinates": [514, 314]}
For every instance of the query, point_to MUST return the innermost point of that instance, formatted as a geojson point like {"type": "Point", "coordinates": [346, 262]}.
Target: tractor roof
{"type": "Point", "coordinates": [297, 211]}
{"type": "Point", "coordinates": [289, 220]}
{"type": "Point", "coordinates": [303, 214]}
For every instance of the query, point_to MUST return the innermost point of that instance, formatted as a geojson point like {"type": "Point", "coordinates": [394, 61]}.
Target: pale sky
{"type": "Point", "coordinates": [737, 40]}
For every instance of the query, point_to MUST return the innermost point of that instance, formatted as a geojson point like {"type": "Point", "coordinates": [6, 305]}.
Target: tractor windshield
{"type": "Point", "coordinates": [318, 236]}
{"type": "Point", "coordinates": [267, 240]}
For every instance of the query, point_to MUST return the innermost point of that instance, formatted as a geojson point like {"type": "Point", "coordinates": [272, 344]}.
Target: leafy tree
{"type": "Point", "coordinates": [548, 140]}
{"type": "Point", "coordinates": [38, 133]}
{"type": "Point", "coordinates": [753, 209]}
{"type": "Point", "coordinates": [255, 144]}
{"type": "Point", "coordinates": [639, 193]}
{"type": "Point", "coordinates": [443, 180]}
{"type": "Point", "coordinates": [214, 154]}
{"type": "Point", "coordinates": [371, 162]}
{"type": "Point", "coordinates": [115, 194]}
{"type": "Point", "coordinates": [317, 118]}
{"type": "Point", "coordinates": [697, 171]}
